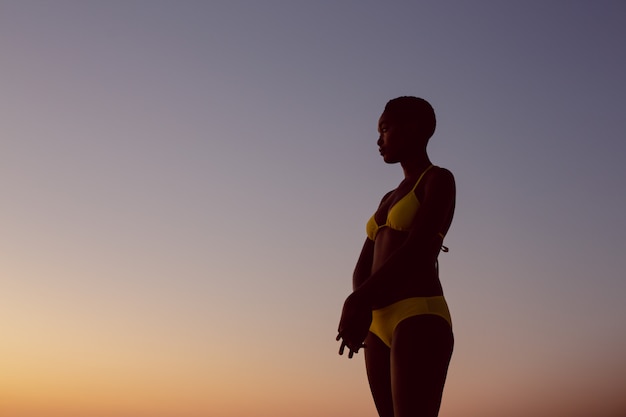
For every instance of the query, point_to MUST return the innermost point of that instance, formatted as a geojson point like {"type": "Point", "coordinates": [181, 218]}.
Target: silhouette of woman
{"type": "Point", "coordinates": [397, 311]}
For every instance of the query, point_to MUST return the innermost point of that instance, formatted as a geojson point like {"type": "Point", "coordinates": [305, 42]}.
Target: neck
{"type": "Point", "coordinates": [415, 166]}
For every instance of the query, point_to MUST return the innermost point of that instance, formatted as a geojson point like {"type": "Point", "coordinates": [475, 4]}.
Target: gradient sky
{"type": "Point", "coordinates": [185, 186]}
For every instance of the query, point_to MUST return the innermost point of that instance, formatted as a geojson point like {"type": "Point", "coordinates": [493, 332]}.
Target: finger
{"type": "Point", "coordinates": [354, 351]}
{"type": "Point", "coordinates": [342, 347]}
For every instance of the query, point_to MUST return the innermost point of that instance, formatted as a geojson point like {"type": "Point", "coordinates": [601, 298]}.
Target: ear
{"type": "Point", "coordinates": [413, 130]}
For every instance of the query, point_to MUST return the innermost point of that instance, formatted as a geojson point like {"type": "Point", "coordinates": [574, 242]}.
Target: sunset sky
{"type": "Point", "coordinates": [185, 184]}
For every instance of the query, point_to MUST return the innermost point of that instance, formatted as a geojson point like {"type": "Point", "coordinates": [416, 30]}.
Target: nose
{"type": "Point", "coordinates": [379, 142]}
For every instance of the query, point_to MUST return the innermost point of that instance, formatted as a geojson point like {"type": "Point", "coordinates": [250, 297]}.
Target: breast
{"type": "Point", "coordinates": [371, 228]}
{"type": "Point", "coordinates": [401, 215]}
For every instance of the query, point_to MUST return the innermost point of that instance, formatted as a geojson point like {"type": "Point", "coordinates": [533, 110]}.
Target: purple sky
{"type": "Point", "coordinates": [186, 184]}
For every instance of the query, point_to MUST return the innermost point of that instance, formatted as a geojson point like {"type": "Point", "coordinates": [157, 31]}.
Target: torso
{"type": "Point", "coordinates": [422, 278]}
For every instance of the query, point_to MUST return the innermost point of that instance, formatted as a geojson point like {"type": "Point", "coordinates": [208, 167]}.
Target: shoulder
{"type": "Point", "coordinates": [440, 176]}
{"type": "Point", "coordinates": [441, 172]}
{"type": "Point", "coordinates": [386, 196]}
{"type": "Point", "coordinates": [440, 181]}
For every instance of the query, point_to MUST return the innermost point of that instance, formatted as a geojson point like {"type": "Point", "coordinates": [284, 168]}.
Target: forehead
{"type": "Point", "coordinates": [386, 118]}
{"type": "Point", "coordinates": [389, 118]}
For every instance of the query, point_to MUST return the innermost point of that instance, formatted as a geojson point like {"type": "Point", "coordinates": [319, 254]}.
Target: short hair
{"type": "Point", "coordinates": [414, 109]}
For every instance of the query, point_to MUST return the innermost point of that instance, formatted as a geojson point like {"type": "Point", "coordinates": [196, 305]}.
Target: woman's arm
{"type": "Point", "coordinates": [363, 268]}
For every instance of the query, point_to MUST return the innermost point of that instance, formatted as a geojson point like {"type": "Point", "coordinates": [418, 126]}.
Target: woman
{"type": "Point", "coordinates": [397, 311]}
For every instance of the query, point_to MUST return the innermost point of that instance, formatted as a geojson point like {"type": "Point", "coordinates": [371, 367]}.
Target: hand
{"type": "Point", "coordinates": [356, 318]}
{"type": "Point", "coordinates": [352, 350]}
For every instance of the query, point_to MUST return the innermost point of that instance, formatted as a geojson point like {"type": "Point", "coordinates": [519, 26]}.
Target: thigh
{"type": "Point", "coordinates": [421, 350]}
{"type": "Point", "coordinates": [377, 363]}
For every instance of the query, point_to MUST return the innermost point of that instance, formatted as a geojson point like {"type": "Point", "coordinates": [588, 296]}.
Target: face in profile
{"type": "Point", "coordinates": [396, 138]}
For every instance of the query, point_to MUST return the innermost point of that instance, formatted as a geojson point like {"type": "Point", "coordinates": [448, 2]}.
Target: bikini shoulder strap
{"type": "Point", "coordinates": [422, 176]}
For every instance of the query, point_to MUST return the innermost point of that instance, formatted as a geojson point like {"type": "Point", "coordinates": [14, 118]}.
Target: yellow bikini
{"type": "Point", "coordinates": [400, 216]}
{"type": "Point", "coordinates": [384, 320]}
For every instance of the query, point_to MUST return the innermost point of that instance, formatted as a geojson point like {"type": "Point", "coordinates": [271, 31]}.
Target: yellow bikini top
{"type": "Point", "coordinates": [400, 216]}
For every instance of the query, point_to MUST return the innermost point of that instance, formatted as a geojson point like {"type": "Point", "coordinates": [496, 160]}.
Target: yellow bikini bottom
{"type": "Point", "coordinates": [385, 320]}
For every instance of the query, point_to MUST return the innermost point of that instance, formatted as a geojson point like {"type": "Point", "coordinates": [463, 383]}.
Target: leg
{"type": "Point", "coordinates": [421, 351]}
{"type": "Point", "coordinates": [379, 374]}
